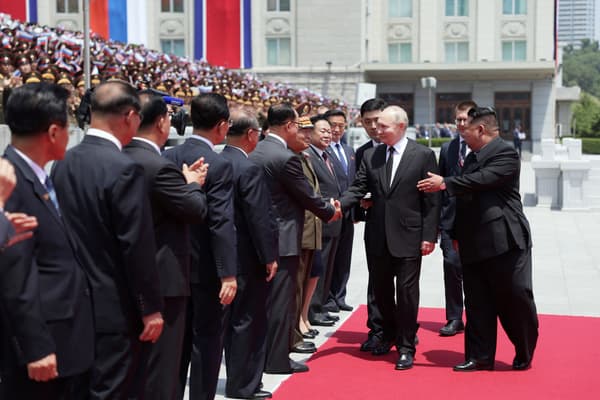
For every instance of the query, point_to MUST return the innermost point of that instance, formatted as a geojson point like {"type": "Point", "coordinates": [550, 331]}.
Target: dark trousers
{"type": "Point", "coordinates": [500, 287]}
{"type": "Point", "coordinates": [319, 299]}
{"type": "Point", "coordinates": [20, 386]}
{"type": "Point", "coordinates": [306, 260]}
{"type": "Point", "coordinates": [163, 360]}
{"type": "Point", "coordinates": [342, 262]}
{"type": "Point", "coordinates": [115, 372]}
{"type": "Point", "coordinates": [208, 320]}
{"type": "Point", "coordinates": [281, 307]}
{"type": "Point", "coordinates": [453, 287]}
{"type": "Point", "coordinates": [245, 336]}
{"type": "Point", "coordinates": [374, 318]}
{"type": "Point", "coordinates": [399, 314]}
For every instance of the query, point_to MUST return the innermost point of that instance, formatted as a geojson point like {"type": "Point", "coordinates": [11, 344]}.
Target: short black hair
{"type": "Point", "coordinates": [319, 117]}
{"type": "Point", "coordinates": [335, 113]}
{"type": "Point", "coordinates": [32, 108]}
{"type": "Point", "coordinates": [153, 107]}
{"type": "Point", "coordinates": [375, 104]}
{"type": "Point", "coordinates": [466, 105]}
{"type": "Point", "coordinates": [113, 97]}
{"type": "Point", "coordinates": [208, 109]}
{"type": "Point", "coordinates": [280, 114]}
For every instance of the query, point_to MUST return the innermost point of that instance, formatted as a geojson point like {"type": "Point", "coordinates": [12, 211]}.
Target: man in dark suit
{"type": "Point", "coordinates": [47, 323]}
{"type": "Point", "coordinates": [290, 196]}
{"type": "Point", "coordinates": [322, 163]}
{"type": "Point", "coordinates": [452, 158]}
{"type": "Point", "coordinates": [14, 227]}
{"type": "Point", "coordinates": [400, 229]}
{"type": "Point", "coordinates": [104, 201]}
{"type": "Point", "coordinates": [176, 199]}
{"type": "Point", "coordinates": [494, 243]}
{"type": "Point", "coordinates": [343, 160]}
{"type": "Point", "coordinates": [214, 253]}
{"type": "Point", "coordinates": [257, 254]}
{"type": "Point", "coordinates": [369, 113]}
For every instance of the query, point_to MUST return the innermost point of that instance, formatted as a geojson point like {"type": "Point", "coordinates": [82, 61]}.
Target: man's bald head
{"type": "Point", "coordinates": [113, 98]}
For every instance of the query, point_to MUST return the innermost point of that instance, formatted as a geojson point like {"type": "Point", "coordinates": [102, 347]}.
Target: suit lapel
{"type": "Point", "coordinates": [405, 162]}
{"type": "Point", "coordinates": [40, 191]}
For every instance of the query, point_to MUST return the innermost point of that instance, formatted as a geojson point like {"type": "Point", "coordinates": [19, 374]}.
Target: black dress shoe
{"type": "Point", "coordinates": [298, 367]}
{"type": "Point", "coordinates": [471, 365]}
{"type": "Point", "coordinates": [370, 344]}
{"type": "Point", "coordinates": [304, 347]}
{"type": "Point", "coordinates": [345, 307]}
{"type": "Point", "coordinates": [322, 322]}
{"type": "Point", "coordinates": [334, 318]}
{"type": "Point", "coordinates": [405, 361]}
{"type": "Point", "coordinates": [452, 328]}
{"type": "Point", "coordinates": [331, 307]}
{"type": "Point", "coordinates": [261, 394]}
{"type": "Point", "coordinates": [308, 335]}
{"type": "Point", "coordinates": [382, 348]}
{"type": "Point", "coordinates": [313, 331]}
{"type": "Point", "coordinates": [518, 365]}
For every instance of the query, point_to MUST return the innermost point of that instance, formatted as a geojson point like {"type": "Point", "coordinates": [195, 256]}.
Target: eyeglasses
{"type": "Point", "coordinates": [334, 125]}
{"type": "Point", "coordinates": [460, 121]}
{"type": "Point", "coordinates": [479, 112]}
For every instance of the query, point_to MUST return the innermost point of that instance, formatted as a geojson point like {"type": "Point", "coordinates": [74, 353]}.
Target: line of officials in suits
{"type": "Point", "coordinates": [143, 264]}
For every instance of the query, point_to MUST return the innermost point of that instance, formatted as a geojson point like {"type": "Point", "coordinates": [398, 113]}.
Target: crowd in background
{"type": "Point", "coordinates": [34, 53]}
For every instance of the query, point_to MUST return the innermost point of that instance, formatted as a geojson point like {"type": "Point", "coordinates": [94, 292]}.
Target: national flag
{"type": "Point", "coordinates": [125, 21]}
{"type": "Point", "coordinates": [24, 36]}
{"type": "Point", "coordinates": [22, 10]}
{"type": "Point", "coordinates": [223, 32]}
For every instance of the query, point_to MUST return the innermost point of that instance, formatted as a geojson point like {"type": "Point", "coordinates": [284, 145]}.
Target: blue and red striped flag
{"type": "Point", "coordinates": [223, 32]}
{"type": "Point", "coordinates": [23, 10]}
{"type": "Point", "coordinates": [120, 20]}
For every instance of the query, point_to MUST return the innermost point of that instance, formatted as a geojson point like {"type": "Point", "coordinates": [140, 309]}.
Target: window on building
{"type": "Point", "coordinates": [514, 7]}
{"type": "Point", "coordinates": [400, 8]}
{"type": "Point", "coordinates": [279, 51]}
{"type": "Point", "coordinates": [278, 5]}
{"type": "Point", "coordinates": [457, 52]}
{"type": "Point", "coordinates": [67, 6]}
{"type": "Point", "coordinates": [457, 8]}
{"type": "Point", "coordinates": [171, 5]}
{"type": "Point", "coordinates": [514, 50]}
{"type": "Point", "coordinates": [513, 108]}
{"type": "Point", "coordinates": [445, 103]}
{"type": "Point", "coordinates": [404, 100]}
{"type": "Point", "coordinates": [399, 53]}
{"type": "Point", "coordinates": [173, 46]}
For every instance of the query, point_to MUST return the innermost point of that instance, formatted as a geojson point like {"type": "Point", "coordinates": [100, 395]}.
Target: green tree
{"type": "Point", "coordinates": [581, 66]}
{"type": "Point", "coordinates": [586, 116]}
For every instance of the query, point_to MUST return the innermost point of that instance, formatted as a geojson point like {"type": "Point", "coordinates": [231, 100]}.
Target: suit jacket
{"type": "Point", "coordinates": [345, 177]}
{"type": "Point", "coordinates": [214, 253]}
{"type": "Point", "coordinates": [46, 304]}
{"type": "Point", "coordinates": [290, 193]}
{"type": "Point", "coordinates": [489, 214]}
{"type": "Point", "coordinates": [328, 185]}
{"type": "Point", "coordinates": [360, 214]}
{"type": "Point", "coordinates": [6, 231]}
{"type": "Point", "coordinates": [256, 229]}
{"type": "Point", "coordinates": [313, 227]}
{"type": "Point", "coordinates": [175, 204]}
{"type": "Point", "coordinates": [449, 166]}
{"type": "Point", "coordinates": [103, 197]}
{"type": "Point", "coordinates": [401, 216]}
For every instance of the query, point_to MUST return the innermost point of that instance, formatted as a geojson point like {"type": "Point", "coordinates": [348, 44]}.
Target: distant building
{"type": "Point", "coordinates": [577, 20]}
{"type": "Point", "coordinates": [496, 52]}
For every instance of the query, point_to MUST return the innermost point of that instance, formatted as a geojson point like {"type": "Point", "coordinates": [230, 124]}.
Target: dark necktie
{"type": "Point", "coordinates": [51, 193]}
{"type": "Point", "coordinates": [389, 166]}
{"type": "Point", "coordinates": [338, 148]}
{"type": "Point", "coordinates": [463, 153]}
{"type": "Point", "coordinates": [470, 159]}
{"type": "Point", "coordinates": [328, 163]}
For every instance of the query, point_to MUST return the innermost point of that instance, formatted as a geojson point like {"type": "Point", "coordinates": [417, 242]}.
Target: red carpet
{"type": "Point", "coordinates": [565, 366]}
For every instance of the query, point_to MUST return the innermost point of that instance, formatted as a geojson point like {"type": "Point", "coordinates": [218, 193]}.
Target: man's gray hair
{"type": "Point", "coordinates": [399, 114]}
